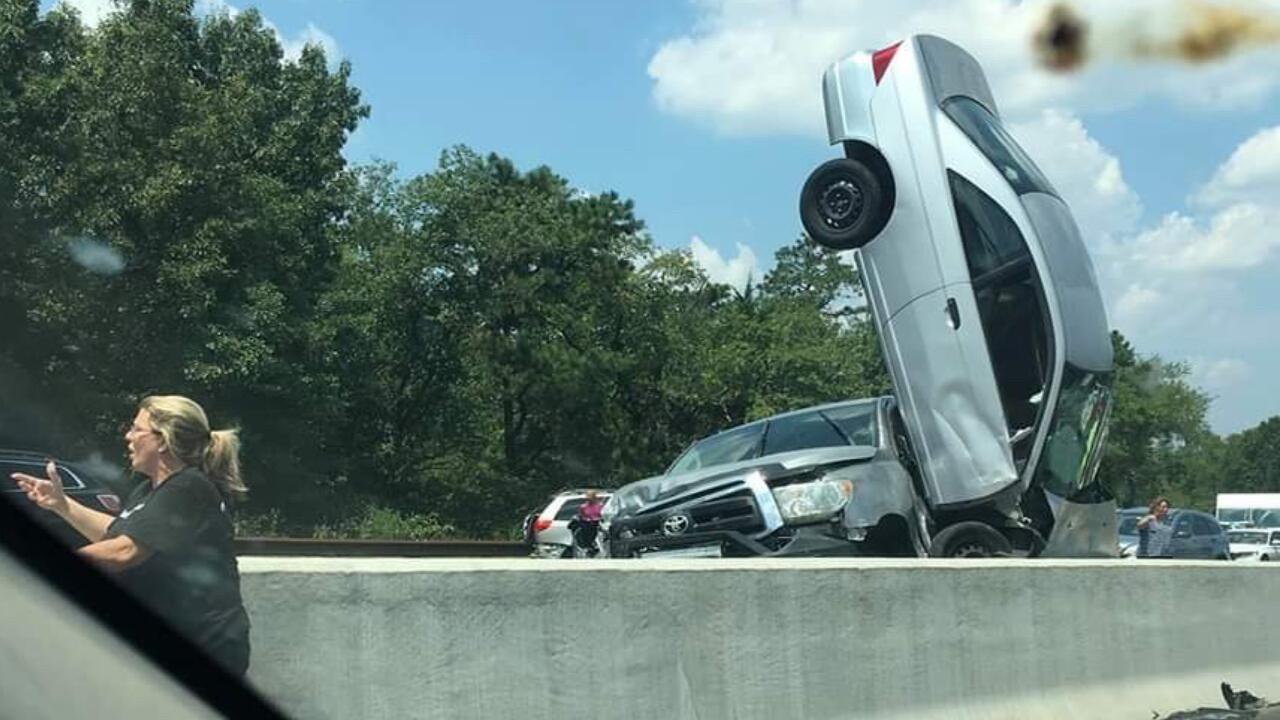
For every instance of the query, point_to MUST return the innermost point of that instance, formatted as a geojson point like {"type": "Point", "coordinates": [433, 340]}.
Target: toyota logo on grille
{"type": "Point", "coordinates": [676, 524]}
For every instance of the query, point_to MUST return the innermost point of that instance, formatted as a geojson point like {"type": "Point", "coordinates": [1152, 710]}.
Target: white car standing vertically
{"type": "Point", "coordinates": [985, 300]}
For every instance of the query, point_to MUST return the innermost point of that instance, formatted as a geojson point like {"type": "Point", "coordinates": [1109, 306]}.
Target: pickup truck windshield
{"type": "Point", "coordinates": [852, 424]}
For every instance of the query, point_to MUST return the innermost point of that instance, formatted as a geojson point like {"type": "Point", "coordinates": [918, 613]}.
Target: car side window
{"type": "Point", "coordinates": [1182, 527]}
{"type": "Point", "coordinates": [1202, 526]}
{"type": "Point", "coordinates": [1010, 302]}
{"type": "Point", "coordinates": [70, 481]}
{"type": "Point", "coordinates": [991, 239]}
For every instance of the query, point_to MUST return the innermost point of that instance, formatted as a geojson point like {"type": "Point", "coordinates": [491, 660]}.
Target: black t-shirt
{"type": "Point", "coordinates": [191, 577]}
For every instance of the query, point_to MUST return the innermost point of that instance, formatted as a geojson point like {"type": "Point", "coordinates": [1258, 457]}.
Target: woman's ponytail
{"type": "Point", "coordinates": [222, 463]}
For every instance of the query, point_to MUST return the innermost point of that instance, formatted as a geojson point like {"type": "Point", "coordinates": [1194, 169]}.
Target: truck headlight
{"type": "Point", "coordinates": [812, 501]}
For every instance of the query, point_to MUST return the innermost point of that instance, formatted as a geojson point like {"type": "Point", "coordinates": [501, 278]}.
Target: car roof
{"type": "Point", "coordinates": [26, 454]}
{"type": "Point", "coordinates": [583, 492]}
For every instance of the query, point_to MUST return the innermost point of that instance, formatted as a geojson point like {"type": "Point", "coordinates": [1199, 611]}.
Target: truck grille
{"type": "Point", "coordinates": [737, 511]}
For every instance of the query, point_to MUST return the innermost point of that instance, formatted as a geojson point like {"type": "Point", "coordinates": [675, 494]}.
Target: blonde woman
{"type": "Point", "coordinates": [171, 544]}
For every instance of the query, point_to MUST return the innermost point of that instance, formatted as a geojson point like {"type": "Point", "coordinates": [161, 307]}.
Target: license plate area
{"type": "Point", "coordinates": [696, 551]}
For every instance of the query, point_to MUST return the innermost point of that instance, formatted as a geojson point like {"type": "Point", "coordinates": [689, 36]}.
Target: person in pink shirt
{"type": "Point", "coordinates": [589, 511]}
{"type": "Point", "coordinates": [586, 524]}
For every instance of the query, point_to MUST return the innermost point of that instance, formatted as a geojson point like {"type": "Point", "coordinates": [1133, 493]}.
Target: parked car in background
{"type": "Point", "coordinates": [1127, 530]}
{"type": "Point", "coordinates": [1261, 544]}
{"type": "Point", "coordinates": [84, 484]}
{"type": "Point", "coordinates": [1194, 535]}
{"type": "Point", "coordinates": [984, 298]}
{"type": "Point", "coordinates": [547, 533]}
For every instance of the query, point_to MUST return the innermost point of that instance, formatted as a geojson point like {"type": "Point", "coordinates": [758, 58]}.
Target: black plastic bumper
{"type": "Point", "coordinates": [808, 541]}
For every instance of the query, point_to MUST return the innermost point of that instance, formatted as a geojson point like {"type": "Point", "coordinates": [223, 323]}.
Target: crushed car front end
{"type": "Point", "coordinates": [812, 502]}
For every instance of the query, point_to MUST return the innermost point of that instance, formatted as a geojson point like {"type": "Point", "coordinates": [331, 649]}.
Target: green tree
{"type": "Point", "coordinates": [1251, 459]}
{"type": "Point", "coordinates": [1157, 431]}
{"type": "Point", "coordinates": [174, 215]}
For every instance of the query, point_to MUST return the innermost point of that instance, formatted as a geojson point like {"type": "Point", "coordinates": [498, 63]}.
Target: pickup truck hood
{"type": "Point", "coordinates": [634, 497]}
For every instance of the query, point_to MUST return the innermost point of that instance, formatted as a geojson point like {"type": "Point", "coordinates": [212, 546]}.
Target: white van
{"type": "Point", "coordinates": [1239, 510]}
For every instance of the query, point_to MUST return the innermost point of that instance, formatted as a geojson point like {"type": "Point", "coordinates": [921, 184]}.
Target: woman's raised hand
{"type": "Point", "coordinates": [45, 492]}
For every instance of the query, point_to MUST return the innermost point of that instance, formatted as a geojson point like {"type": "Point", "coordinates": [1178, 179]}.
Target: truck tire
{"type": "Point", "coordinates": [969, 539]}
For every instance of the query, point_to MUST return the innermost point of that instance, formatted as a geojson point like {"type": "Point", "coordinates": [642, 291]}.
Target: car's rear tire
{"type": "Point", "coordinates": [969, 539]}
{"type": "Point", "coordinates": [846, 202]}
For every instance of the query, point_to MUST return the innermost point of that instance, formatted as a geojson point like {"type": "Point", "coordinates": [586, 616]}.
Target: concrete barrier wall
{"type": "Point", "coordinates": [707, 639]}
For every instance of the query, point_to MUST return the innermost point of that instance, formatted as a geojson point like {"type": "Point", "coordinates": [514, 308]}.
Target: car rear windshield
{"type": "Point", "coordinates": [569, 508]}
{"type": "Point", "coordinates": [985, 130]}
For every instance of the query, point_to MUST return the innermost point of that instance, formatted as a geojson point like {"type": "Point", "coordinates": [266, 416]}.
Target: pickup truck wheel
{"type": "Point", "coordinates": [845, 203]}
{"type": "Point", "coordinates": [969, 539]}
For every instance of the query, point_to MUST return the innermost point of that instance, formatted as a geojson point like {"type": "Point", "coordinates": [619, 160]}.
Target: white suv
{"type": "Point", "coordinates": [547, 531]}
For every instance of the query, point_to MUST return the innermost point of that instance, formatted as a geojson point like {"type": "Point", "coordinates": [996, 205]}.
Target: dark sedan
{"type": "Point", "coordinates": [1190, 535]}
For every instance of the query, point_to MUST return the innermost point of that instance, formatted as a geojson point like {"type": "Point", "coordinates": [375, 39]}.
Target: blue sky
{"type": "Point", "coordinates": [707, 114]}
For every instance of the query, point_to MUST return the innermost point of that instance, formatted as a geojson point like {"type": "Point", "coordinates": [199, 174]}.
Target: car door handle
{"type": "Point", "coordinates": [953, 314]}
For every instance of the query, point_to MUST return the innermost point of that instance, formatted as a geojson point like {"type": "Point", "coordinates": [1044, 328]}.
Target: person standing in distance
{"type": "Point", "coordinates": [1154, 530]}
{"type": "Point", "coordinates": [171, 545]}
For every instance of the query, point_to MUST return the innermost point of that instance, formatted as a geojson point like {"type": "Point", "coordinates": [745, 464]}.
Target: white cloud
{"type": "Point", "coordinates": [1137, 301]}
{"type": "Point", "coordinates": [310, 35]}
{"type": "Point", "coordinates": [755, 67]}
{"type": "Point", "coordinates": [1198, 281]}
{"type": "Point", "coordinates": [735, 272]}
{"type": "Point", "coordinates": [1083, 172]}
{"type": "Point", "coordinates": [215, 7]}
{"type": "Point", "coordinates": [292, 46]}
{"type": "Point", "coordinates": [92, 12]}
{"type": "Point", "coordinates": [1238, 237]}
{"type": "Point", "coordinates": [1219, 374]}
{"type": "Point", "coordinates": [1251, 174]}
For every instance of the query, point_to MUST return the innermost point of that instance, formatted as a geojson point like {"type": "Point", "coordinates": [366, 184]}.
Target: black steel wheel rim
{"type": "Point", "coordinates": [841, 203]}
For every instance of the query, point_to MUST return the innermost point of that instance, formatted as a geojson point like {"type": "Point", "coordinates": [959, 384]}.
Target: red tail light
{"type": "Point", "coordinates": [109, 501]}
{"type": "Point", "coordinates": [880, 60]}
{"type": "Point", "coordinates": [541, 524]}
